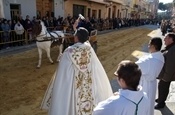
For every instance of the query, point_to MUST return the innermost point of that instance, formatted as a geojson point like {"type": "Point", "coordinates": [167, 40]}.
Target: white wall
{"type": "Point", "coordinates": [1, 10]}
{"type": "Point", "coordinates": [59, 8]}
{"type": "Point", "coordinates": [28, 7]}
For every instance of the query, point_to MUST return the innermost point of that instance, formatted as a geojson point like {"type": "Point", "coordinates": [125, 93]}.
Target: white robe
{"type": "Point", "coordinates": [80, 83]}
{"type": "Point", "coordinates": [122, 104]}
{"type": "Point", "coordinates": [150, 66]}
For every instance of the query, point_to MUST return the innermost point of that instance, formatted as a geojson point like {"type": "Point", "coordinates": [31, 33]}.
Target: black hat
{"type": "Point", "coordinates": [82, 34]}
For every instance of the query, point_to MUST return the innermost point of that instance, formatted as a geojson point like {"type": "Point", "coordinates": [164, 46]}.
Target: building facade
{"type": "Point", "coordinates": [140, 9]}
{"type": "Point", "coordinates": [153, 8]}
{"type": "Point", "coordinates": [92, 8]}
{"type": "Point", "coordinates": [15, 8]}
{"type": "Point", "coordinates": [95, 8]}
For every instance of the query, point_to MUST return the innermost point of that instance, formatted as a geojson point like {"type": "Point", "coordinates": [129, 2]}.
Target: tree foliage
{"type": "Point", "coordinates": [169, 6]}
{"type": "Point", "coordinates": [162, 6]}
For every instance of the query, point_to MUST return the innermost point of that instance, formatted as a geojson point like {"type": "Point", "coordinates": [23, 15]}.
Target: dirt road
{"type": "Point", "coordinates": [22, 86]}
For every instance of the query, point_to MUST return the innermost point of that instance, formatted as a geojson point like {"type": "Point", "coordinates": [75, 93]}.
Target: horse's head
{"type": "Point", "coordinates": [36, 29]}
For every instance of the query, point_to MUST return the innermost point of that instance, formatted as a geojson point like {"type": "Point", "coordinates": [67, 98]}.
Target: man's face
{"type": "Point", "coordinates": [150, 47]}
{"type": "Point", "coordinates": [168, 40]}
{"type": "Point", "coordinates": [75, 39]}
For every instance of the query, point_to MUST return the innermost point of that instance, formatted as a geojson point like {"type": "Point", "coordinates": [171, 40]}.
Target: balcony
{"type": "Point", "coordinates": [137, 7]}
{"type": "Point", "coordinates": [98, 1]}
{"type": "Point", "coordinates": [116, 1]}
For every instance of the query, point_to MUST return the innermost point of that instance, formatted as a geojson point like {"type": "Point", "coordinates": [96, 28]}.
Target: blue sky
{"type": "Point", "coordinates": [166, 1]}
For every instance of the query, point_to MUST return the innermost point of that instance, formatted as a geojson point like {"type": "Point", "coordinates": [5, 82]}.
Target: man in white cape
{"type": "Point", "coordinates": [80, 81]}
{"type": "Point", "coordinates": [130, 100]}
{"type": "Point", "coordinates": [151, 65]}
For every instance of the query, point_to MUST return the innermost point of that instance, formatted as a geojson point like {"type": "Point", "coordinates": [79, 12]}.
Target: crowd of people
{"type": "Point", "coordinates": [12, 31]}
{"type": "Point", "coordinates": [166, 26]}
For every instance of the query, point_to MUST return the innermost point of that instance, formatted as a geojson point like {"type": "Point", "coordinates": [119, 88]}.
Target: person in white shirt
{"type": "Point", "coordinates": [130, 100]}
{"type": "Point", "coordinates": [151, 65]}
{"type": "Point", "coordinates": [19, 30]}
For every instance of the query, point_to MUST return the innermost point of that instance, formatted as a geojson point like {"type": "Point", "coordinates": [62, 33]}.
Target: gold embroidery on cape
{"type": "Point", "coordinates": [83, 81]}
{"type": "Point", "coordinates": [81, 56]}
{"type": "Point", "coordinates": [84, 60]}
{"type": "Point", "coordinates": [84, 97]}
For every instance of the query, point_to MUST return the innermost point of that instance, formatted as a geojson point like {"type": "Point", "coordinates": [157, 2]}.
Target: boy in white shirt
{"type": "Point", "coordinates": [130, 100]}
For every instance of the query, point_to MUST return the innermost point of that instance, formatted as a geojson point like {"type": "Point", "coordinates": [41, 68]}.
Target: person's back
{"type": "Point", "coordinates": [19, 29]}
{"type": "Point", "coordinates": [130, 100]}
{"type": "Point", "coordinates": [124, 103]}
{"type": "Point", "coordinates": [151, 66]}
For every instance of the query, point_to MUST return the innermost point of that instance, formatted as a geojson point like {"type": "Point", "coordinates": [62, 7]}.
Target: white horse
{"type": "Point", "coordinates": [44, 41]}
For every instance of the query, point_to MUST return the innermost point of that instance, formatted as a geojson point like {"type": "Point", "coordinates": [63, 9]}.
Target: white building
{"type": "Point", "coordinates": [14, 8]}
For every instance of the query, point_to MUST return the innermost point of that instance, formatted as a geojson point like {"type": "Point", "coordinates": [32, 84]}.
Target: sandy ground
{"type": "Point", "coordinates": [22, 86]}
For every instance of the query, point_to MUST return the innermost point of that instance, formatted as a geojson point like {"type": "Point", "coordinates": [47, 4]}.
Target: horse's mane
{"type": "Point", "coordinates": [36, 28]}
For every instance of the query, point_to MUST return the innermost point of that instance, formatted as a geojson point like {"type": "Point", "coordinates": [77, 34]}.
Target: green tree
{"type": "Point", "coordinates": [162, 6]}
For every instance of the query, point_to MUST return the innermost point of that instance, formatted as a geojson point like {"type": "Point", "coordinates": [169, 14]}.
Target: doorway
{"type": "Point", "coordinates": [45, 8]}
{"type": "Point", "coordinates": [15, 11]}
{"type": "Point", "coordinates": [114, 12]}
{"type": "Point", "coordinates": [78, 9]}
{"type": "Point", "coordinates": [94, 13]}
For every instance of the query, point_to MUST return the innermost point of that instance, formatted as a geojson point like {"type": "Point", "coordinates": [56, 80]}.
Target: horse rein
{"type": "Point", "coordinates": [46, 38]}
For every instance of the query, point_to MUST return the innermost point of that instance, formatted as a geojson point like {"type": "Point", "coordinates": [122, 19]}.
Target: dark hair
{"type": "Point", "coordinates": [172, 35]}
{"type": "Point", "coordinates": [157, 42]}
{"type": "Point", "coordinates": [5, 20]}
{"type": "Point", "coordinates": [130, 73]}
{"type": "Point", "coordinates": [82, 34]}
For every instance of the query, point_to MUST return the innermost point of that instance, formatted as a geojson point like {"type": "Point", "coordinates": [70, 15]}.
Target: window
{"type": "Point", "coordinates": [99, 14]}
{"type": "Point", "coordinates": [94, 13]}
{"type": "Point", "coordinates": [89, 12]}
{"type": "Point", "coordinates": [109, 13]}
{"type": "Point", "coordinates": [78, 9]}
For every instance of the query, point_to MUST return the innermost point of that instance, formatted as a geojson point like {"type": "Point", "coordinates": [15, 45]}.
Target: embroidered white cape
{"type": "Point", "coordinates": [79, 83]}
